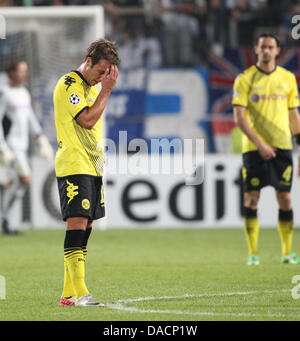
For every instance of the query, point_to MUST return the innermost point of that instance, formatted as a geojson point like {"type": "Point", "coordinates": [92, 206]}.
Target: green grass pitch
{"type": "Point", "coordinates": [151, 275]}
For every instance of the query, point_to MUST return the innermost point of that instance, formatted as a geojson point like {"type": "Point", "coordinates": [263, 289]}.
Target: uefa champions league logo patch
{"type": "Point", "coordinates": [74, 99]}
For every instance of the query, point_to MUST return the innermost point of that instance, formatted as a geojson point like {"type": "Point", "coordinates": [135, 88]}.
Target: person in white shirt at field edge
{"type": "Point", "coordinates": [17, 124]}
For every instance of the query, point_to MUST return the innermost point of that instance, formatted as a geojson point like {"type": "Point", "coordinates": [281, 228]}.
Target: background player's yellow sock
{"type": "Point", "coordinates": [251, 227]}
{"type": "Point", "coordinates": [285, 229]}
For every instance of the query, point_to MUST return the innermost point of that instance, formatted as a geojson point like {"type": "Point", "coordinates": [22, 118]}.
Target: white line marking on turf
{"type": "Point", "coordinates": [121, 304]}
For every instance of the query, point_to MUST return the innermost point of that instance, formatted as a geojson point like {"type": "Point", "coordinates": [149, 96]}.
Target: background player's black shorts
{"type": "Point", "coordinates": [277, 172]}
{"type": "Point", "coordinates": [81, 195]}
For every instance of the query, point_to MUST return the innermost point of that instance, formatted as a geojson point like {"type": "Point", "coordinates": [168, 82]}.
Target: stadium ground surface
{"type": "Point", "coordinates": [152, 275]}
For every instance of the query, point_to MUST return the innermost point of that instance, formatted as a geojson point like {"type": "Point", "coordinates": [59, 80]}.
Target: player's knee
{"type": "Point", "coordinates": [284, 200]}
{"type": "Point", "coordinates": [77, 223]}
{"type": "Point", "coordinates": [251, 200]}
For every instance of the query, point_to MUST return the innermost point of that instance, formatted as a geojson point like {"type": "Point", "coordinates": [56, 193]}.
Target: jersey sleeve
{"type": "Point", "coordinates": [293, 96]}
{"type": "Point", "coordinates": [74, 98]}
{"type": "Point", "coordinates": [34, 125]}
{"type": "Point", "coordinates": [240, 91]}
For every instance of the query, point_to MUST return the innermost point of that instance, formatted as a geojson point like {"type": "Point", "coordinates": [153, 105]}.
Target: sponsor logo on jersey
{"type": "Point", "coordinates": [264, 97]}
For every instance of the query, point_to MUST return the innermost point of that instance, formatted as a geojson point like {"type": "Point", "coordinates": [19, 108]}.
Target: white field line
{"type": "Point", "coordinates": [122, 304]}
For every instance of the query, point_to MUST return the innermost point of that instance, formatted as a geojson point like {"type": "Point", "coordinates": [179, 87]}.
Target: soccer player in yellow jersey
{"type": "Point", "coordinates": [265, 103]}
{"type": "Point", "coordinates": [79, 106]}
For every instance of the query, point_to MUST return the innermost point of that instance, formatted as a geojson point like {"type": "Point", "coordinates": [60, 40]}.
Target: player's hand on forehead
{"type": "Point", "coordinates": [114, 72]}
{"type": "Point", "coordinates": [110, 77]}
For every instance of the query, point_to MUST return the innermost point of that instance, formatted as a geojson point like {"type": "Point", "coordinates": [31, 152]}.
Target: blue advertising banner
{"type": "Point", "coordinates": [160, 103]}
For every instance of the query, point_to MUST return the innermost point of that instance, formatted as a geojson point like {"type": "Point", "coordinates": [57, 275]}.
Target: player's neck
{"type": "Point", "coordinates": [14, 84]}
{"type": "Point", "coordinates": [266, 67]}
{"type": "Point", "coordinates": [81, 69]}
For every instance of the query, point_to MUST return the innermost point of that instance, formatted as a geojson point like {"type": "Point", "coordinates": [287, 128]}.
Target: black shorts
{"type": "Point", "coordinates": [81, 195]}
{"type": "Point", "coordinates": [277, 172]}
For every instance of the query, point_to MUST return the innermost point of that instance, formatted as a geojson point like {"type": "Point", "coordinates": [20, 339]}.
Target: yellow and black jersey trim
{"type": "Point", "coordinates": [82, 77]}
{"type": "Point", "coordinates": [80, 112]}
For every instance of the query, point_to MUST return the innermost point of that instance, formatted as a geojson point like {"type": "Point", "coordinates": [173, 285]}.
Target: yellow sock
{"type": "Point", "coordinates": [68, 290]}
{"type": "Point", "coordinates": [251, 227]}
{"type": "Point", "coordinates": [285, 229]}
{"type": "Point", "coordinates": [84, 252]}
{"type": "Point", "coordinates": [75, 264]}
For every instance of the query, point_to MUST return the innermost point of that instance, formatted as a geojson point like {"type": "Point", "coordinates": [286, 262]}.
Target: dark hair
{"type": "Point", "coordinates": [267, 35]}
{"type": "Point", "coordinates": [103, 49]}
{"type": "Point", "coordinates": [13, 66]}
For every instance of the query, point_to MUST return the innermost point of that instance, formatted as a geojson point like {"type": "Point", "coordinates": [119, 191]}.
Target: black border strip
{"type": "Point", "coordinates": [266, 73]}
{"type": "Point", "coordinates": [76, 116]}
{"type": "Point", "coordinates": [239, 105]}
{"type": "Point", "coordinates": [81, 76]}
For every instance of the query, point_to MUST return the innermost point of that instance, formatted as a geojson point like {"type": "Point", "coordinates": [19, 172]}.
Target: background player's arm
{"type": "Point", "coordinates": [295, 128]}
{"type": "Point", "coordinates": [240, 119]}
{"type": "Point", "coordinates": [6, 155]}
{"type": "Point", "coordinates": [43, 146]}
{"type": "Point", "coordinates": [293, 104]}
{"type": "Point", "coordinates": [294, 121]}
{"type": "Point", "coordinates": [89, 117]}
{"type": "Point", "coordinates": [34, 125]}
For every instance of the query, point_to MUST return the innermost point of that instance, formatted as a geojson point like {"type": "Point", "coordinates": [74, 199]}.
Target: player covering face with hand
{"type": "Point", "coordinates": [17, 124]}
{"type": "Point", "coordinates": [79, 160]}
{"type": "Point", "coordinates": [266, 102]}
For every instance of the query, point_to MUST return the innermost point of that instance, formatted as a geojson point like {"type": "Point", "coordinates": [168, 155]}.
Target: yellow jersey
{"type": "Point", "coordinates": [268, 98]}
{"type": "Point", "coordinates": [80, 150]}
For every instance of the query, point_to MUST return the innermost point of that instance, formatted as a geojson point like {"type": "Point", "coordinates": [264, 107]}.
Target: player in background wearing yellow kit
{"type": "Point", "coordinates": [265, 103]}
{"type": "Point", "coordinates": [79, 106]}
